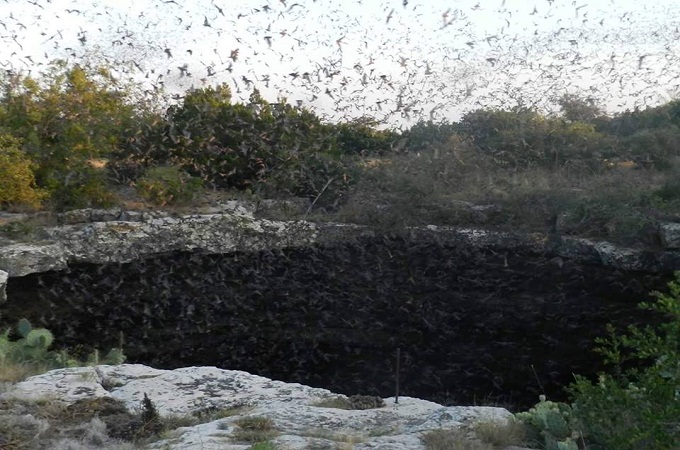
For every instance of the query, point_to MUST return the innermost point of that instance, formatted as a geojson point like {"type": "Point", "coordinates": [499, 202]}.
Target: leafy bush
{"type": "Point", "coordinates": [636, 407]}
{"type": "Point", "coordinates": [425, 135]}
{"type": "Point", "coordinates": [578, 109]}
{"type": "Point", "coordinates": [83, 186]}
{"type": "Point", "coordinates": [168, 185]}
{"type": "Point", "coordinates": [521, 137]}
{"type": "Point", "coordinates": [18, 180]}
{"type": "Point", "coordinates": [362, 137]}
{"type": "Point", "coordinates": [656, 147]}
{"type": "Point", "coordinates": [65, 119]}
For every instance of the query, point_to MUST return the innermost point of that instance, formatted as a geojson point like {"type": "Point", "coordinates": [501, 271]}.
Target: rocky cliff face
{"type": "Point", "coordinates": [100, 236]}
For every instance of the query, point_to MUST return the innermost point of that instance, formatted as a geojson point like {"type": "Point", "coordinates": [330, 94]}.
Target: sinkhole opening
{"type": "Point", "coordinates": [473, 326]}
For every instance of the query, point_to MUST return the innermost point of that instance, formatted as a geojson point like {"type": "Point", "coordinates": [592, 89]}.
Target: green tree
{"type": "Point", "coordinates": [66, 119]}
{"type": "Point", "coordinates": [361, 136]}
{"type": "Point", "coordinates": [424, 135]}
{"type": "Point", "coordinates": [257, 145]}
{"type": "Point", "coordinates": [16, 172]}
{"type": "Point", "coordinates": [578, 109]}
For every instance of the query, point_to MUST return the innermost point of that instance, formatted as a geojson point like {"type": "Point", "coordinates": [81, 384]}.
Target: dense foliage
{"type": "Point", "coordinates": [65, 120]}
{"type": "Point", "coordinates": [16, 171]}
{"type": "Point", "coordinates": [76, 136]}
{"type": "Point", "coordinates": [634, 407]}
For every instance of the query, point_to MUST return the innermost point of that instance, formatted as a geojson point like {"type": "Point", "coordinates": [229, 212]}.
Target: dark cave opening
{"type": "Point", "coordinates": [473, 326]}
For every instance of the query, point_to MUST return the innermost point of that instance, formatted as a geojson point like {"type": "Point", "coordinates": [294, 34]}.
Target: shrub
{"type": "Point", "coordinates": [18, 180]}
{"type": "Point", "coordinates": [361, 136]}
{"type": "Point", "coordinates": [168, 185]}
{"type": "Point", "coordinates": [79, 186]}
{"type": "Point", "coordinates": [424, 135]}
{"type": "Point", "coordinates": [637, 407]}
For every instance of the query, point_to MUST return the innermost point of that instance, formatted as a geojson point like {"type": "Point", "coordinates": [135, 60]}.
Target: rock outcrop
{"type": "Point", "coordinates": [3, 283]}
{"type": "Point", "coordinates": [102, 236]}
{"type": "Point", "coordinates": [301, 417]}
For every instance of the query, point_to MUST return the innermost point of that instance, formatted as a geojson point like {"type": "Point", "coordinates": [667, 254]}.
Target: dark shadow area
{"type": "Point", "coordinates": [473, 326]}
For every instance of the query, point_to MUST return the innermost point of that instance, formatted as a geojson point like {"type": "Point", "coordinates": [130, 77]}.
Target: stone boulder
{"type": "Point", "coordinates": [302, 416]}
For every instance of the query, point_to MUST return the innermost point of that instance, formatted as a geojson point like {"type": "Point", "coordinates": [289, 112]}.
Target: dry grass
{"type": "Point", "coordinates": [91, 423]}
{"type": "Point", "coordinates": [444, 188]}
{"type": "Point", "coordinates": [444, 439]}
{"type": "Point", "coordinates": [254, 429]}
{"type": "Point", "coordinates": [501, 435]}
{"type": "Point", "coordinates": [51, 424]}
{"type": "Point", "coordinates": [13, 373]}
{"type": "Point", "coordinates": [344, 438]}
{"type": "Point", "coordinates": [334, 402]}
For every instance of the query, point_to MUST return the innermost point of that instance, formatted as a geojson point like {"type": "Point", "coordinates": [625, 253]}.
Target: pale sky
{"type": "Point", "coordinates": [397, 60]}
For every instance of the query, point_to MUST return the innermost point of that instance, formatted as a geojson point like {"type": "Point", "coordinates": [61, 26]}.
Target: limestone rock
{"type": "Point", "coordinates": [293, 408]}
{"type": "Point", "coordinates": [105, 215]}
{"type": "Point", "coordinates": [73, 217]}
{"type": "Point", "coordinates": [670, 235]}
{"type": "Point", "coordinates": [21, 259]}
{"type": "Point", "coordinates": [124, 241]}
{"type": "Point", "coordinates": [3, 284]}
{"type": "Point", "coordinates": [232, 226]}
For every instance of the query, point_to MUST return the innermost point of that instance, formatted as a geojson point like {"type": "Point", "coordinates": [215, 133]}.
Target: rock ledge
{"type": "Point", "coordinates": [291, 407]}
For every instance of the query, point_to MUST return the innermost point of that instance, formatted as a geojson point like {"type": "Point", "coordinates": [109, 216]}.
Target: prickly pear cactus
{"type": "Point", "coordinates": [24, 327]}
{"type": "Point", "coordinates": [39, 338]}
{"type": "Point", "coordinates": [550, 425]}
{"type": "Point", "coordinates": [554, 423]}
{"type": "Point", "coordinates": [33, 348]}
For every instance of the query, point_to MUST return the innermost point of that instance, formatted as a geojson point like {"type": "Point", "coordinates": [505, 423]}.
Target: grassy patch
{"type": "Point", "coordinates": [254, 429]}
{"type": "Point", "coordinates": [333, 435]}
{"type": "Point", "coordinates": [481, 436]}
{"type": "Point", "coordinates": [501, 435]}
